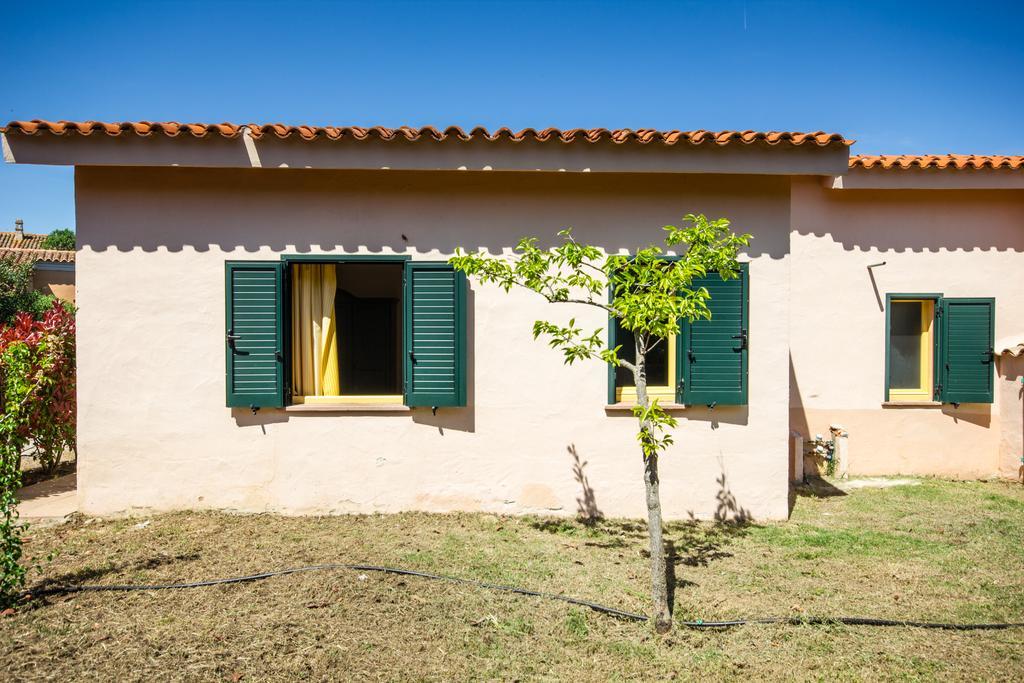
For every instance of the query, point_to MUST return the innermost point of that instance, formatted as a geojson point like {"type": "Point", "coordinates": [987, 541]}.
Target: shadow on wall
{"type": "Point", "coordinates": [975, 413]}
{"type": "Point", "coordinates": [459, 419]}
{"type": "Point", "coordinates": [715, 417]}
{"type": "Point", "coordinates": [302, 211]}
{"type": "Point", "coordinates": [930, 221]}
{"type": "Point", "coordinates": [586, 504]}
{"type": "Point", "coordinates": [727, 508]}
{"type": "Point", "coordinates": [735, 415]}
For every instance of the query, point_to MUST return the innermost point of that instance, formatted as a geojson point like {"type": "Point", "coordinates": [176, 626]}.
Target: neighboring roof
{"type": "Point", "coordinates": [28, 240]}
{"type": "Point", "coordinates": [956, 162]}
{"type": "Point", "coordinates": [231, 130]}
{"type": "Point", "coordinates": [38, 255]}
{"type": "Point", "coordinates": [29, 248]}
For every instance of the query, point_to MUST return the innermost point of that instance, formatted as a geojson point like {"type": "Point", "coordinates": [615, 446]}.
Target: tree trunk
{"type": "Point", "coordinates": [659, 577]}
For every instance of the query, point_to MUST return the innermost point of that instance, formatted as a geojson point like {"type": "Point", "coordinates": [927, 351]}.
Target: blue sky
{"type": "Point", "coordinates": [899, 77]}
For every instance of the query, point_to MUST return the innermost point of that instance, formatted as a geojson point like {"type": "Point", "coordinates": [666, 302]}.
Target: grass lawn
{"type": "Point", "coordinates": [934, 551]}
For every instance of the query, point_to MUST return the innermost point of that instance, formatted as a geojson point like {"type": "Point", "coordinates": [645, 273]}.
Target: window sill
{"type": "Point", "coordinates": [912, 404]}
{"type": "Point", "coordinates": [628, 407]}
{"type": "Point", "coordinates": [348, 408]}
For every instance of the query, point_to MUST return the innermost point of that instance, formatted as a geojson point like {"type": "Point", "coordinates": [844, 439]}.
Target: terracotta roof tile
{"type": "Point", "coordinates": [30, 240]}
{"type": "Point", "coordinates": [956, 162]}
{"type": "Point", "coordinates": [29, 248]}
{"type": "Point", "coordinates": [231, 130]}
{"type": "Point", "coordinates": [22, 255]}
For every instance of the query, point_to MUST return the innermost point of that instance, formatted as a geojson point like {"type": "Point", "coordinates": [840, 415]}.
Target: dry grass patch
{"type": "Point", "coordinates": [939, 550]}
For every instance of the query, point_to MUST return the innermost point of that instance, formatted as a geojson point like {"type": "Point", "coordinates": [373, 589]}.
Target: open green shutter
{"type": "Point", "coordinates": [713, 353]}
{"type": "Point", "coordinates": [254, 340]}
{"type": "Point", "coordinates": [966, 366]}
{"type": "Point", "coordinates": [435, 335]}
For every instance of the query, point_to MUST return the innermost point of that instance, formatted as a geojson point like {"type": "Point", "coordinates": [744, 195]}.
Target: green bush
{"type": "Point", "coordinates": [62, 239]}
{"type": "Point", "coordinates": [16, 292]}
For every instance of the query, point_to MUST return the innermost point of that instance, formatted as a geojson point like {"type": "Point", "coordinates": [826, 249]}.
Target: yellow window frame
{"type": "Point", "coordinates": [924, 392]}
{"type": "Point", "coordinates": [664, 394]}
{"type": "Point", "coordinates": [348, 399]}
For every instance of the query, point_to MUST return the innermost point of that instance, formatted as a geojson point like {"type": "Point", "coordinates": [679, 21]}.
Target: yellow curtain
{"type": "Point", "coordinates": [314, 330]}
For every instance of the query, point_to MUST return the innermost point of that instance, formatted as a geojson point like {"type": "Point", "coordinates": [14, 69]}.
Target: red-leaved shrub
{"type": "Point", "coordinates": [37, 369]}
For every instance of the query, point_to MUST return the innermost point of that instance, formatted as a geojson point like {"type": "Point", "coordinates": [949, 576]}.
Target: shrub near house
{"type": "Point", "coordinates": [37, 391]}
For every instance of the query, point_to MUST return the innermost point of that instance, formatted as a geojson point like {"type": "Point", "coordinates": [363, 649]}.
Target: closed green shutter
{"type": "Point", "coordinates": [255, 334]}
{"type": "Point", "coordinates": [713, 353]}
{"type": "Point", "coordinates": [966, 350]}
{"type": "Point", "coordinates": [435, 335]}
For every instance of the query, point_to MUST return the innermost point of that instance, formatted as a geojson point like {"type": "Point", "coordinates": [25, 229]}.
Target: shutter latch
{"type": "Point", "coordinates": [231, 338]}
{"type": "Point", "coordinates": [742, 336]}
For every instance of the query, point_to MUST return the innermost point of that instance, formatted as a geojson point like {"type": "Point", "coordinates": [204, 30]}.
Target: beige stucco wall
{"type": "Point", "coordinates": [959, 243]}
{"type": "Point", "coordinates": [153, 429]}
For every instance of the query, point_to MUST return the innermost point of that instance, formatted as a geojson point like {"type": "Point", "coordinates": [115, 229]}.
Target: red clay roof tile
{"type": "Point", "coordinates": [14, 240]}
{"type": "Point", "coordinates": [956, 162]}
{"type": "Point", "coordinates": [231, 130]}
{"type": "Point", "coordinates": [22, 255]}
{"type": "Point", "coordinates": [619, 136]}
{"type": "Point", "coordinates": [29, 248]}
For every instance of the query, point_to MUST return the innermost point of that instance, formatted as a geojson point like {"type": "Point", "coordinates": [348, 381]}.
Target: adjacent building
{"type": "Point", "coordinates": [53, 270]}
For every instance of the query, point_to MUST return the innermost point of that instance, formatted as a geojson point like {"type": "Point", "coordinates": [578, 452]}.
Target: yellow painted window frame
{"type": "Point", "coordinates": [348, 399]}
{"type": "Point", "coordinates": [664, 394]}
{"type": "Point", "coordinates": [924, 392]}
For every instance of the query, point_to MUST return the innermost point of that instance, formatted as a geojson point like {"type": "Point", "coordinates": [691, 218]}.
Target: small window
{"type": "Point", "coordinates": [704, 362]}
{"type": "Point", "coordinates": [661, 368]}
{"type": "Point", "coordinates": [346, 327]}
{"type": "Point", "coordinates": [911, 346]}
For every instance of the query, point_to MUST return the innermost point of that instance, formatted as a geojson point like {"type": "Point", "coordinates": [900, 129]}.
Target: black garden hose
{"type": "Point", "coordinates": [44, 590]}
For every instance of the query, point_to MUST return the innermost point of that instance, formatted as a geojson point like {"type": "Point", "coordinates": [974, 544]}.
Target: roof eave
{"type": "Point", "coordinates": [859, 178]}
{"type": "Point", "coordinates": [450, 154]}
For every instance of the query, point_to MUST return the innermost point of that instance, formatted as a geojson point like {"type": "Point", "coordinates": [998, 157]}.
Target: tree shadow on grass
{"type": "Point", "coordinates": [690, 544]}
{"type": "Point", "coordinates": [695, 545]}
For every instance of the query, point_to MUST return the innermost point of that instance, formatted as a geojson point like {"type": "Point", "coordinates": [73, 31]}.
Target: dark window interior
{"type": "Point", "coordinates": [657, 360]}
{"type": "Point", "coordinates": [369, 315]}
{"type": "Point", "coordinates": [905, 344]}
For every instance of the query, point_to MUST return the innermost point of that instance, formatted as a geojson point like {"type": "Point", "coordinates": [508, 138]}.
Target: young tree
{"type": "Point", "coordinates": [649, 295]}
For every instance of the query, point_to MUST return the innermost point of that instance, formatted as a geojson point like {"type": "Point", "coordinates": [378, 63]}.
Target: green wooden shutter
{"type": "Point", "coordinates": [713, 353]}
{"type": "Point", "coordinates": [966, 367]}
{"type": "Point", "coordinates": [435, 335]}
{"type": "Point", "coordinates": [254, 340]}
